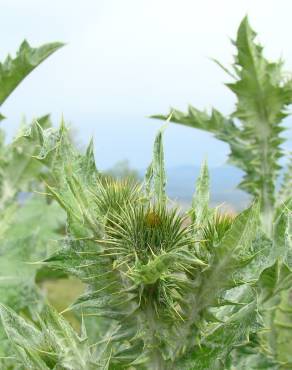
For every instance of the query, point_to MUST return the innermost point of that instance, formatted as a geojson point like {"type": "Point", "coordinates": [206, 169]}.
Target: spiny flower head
{"type": "Point", "coordinates": [112, 195]}
{"type": "Point", "coordinates": [141, 232]}
{"type": "Point", "coordinates": [216, 228]}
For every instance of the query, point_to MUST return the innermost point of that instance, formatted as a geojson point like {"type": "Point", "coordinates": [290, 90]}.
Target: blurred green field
{"type": "Point", "coordinates": [61, 293]}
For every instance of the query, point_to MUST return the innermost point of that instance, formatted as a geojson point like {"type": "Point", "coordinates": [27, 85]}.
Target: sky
{"type": "Point", "coordinates": [125, 60]}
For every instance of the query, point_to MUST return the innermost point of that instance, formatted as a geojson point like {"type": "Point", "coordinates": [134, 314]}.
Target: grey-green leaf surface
{"type": "Point", "coordinates": [155, 179]}
{"type": "Point", "coordinates": [14, 70]}
{"type": "Point", "coordinates": [285, 192]}
{"type": "Point", "coordinates": [19, 171]}
{"type": "Point", "coordinates": [159, 297]}
{"type": "Point", "coordinates": [220, 339]}
{"type": "Point", "coordinates": [54, 346]}
{"type": "Point", "coordinates": [27, 234]}
{"type": "Point", "coordinates": [253, 130]}
{"type": "Point", "coordinates": [201, 198]}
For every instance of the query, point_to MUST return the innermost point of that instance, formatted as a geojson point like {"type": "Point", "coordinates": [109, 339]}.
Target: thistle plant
{"type": "Point", "coordinates": [14, 70]}
{"type": "Point", "coordinates": [253, 132]}
{"type": "Point", "coordinates": [28, 223]}
{"type": "Point", "coordinates": [165, 289]}
{"type": "Point", "coordinates": [168, 290]}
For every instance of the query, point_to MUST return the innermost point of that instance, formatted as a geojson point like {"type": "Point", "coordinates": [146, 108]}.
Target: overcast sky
{"type": "Point", "coordinates": [127, 59]}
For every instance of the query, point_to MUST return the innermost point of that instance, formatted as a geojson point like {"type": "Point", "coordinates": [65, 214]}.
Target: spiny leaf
{"type": "Point", "coordinates": [221, 339]}
{"type": "Point", "coordinates": [71, 174]}
{"type": "Point", "coordinates": [200, 203]}
{"type": "Point", "coordinates": [263, 95]}
{"type": "Point", "coordinates": [18, 169]}
{"type": "Point", "coordinates": [273, 280]}
{"type": "Point", "coordinates": [25, 338]}
{"type": "Point", "coordinates": [282, 246]}
{"type": "Point", "coordinates": [56, 345]}
{"type": "Point", "coordinates": [14, 70]}
{"type": "Point", "coordinates": [156, 172]}
{"type": "Point", "coordinates": [28, 234]}
{"type": "Point", "coordinates": [159, 299]}
{"type": "Point", "coordinates": [28, 237]}
{"type": "Point", "coordinates": [285, 192]}
{"type": "Point", "coordinates": [223, 128]}
{"type": "Point", "coordinates": [233, 252]}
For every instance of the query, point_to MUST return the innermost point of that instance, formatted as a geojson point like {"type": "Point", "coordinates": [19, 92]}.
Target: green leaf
{"type": "Point", "coordinates": [153, 271]}
{"type": "Point", "coordinates": [56, 345]}
{"type": "Point", "coordinates": [214, 284]}
{"type": "Point", "coordinates": [282, 244]}
{"type": "Point", "coordinates": [25, 337]}
{"type": "Point", "coordinates": [70, 174]}
{"type": "Point", "coordinates": [250, 357]}
{"type": "Point", "coordinates": [19, 171]}
{"type": "Point", "coordinates": [273, 280]}
{"type": "Point", "coordinates": [156, 172]}
{"type": "Point", "coordinates": [285, 192]}
{"type": "Point", "coordinates": [280, 339]}
{"type": "Point", "coordinates": [232, 253]}
{"type": "Point", "coordinates": [274, 292]}
{"type": "Point", "coordinates": [158, 297]}
{"type": "Point", "coordinates": [14, 70]}
{"type": "Point", "coordinates": [201, 198]}
{"type": "Point", "coordinates": [261, 106]}
{"type": "Point", "coordinates": [29, 235]}
{"type": "Point", "coordinates": [223, 128]}
{"type": "Point", "coordinates": [218, 342]}
{"type": "Point", "coordinates": [253, 130]}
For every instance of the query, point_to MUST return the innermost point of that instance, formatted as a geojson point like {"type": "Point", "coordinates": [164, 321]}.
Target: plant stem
{"type": "Point", "coordinates": [156, 360]}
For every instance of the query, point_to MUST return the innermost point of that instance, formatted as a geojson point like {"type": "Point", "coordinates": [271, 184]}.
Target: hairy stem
{"type": "Point", "coordinates": [156, 360]}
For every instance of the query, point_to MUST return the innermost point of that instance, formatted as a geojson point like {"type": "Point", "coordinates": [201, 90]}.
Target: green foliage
{"type": "Point", "coordinates": [167, 299]}
{"type": "Point", "coordinates": [35, 223]}
{"type": "Point", "coordinates": [29, 235]}
{"type": "Point", "coordinates": [286, 186]}
{"type": "Point", "coordinates": [215, 228]}
{"type": "Point", "coordinates": [53, 344]}
{"type": "Point", "coordinates": [165, 290]}
{"type": "Point", "coordinates": [19, 171]}
{"type": "Point", "coordinates": [200, 203]}
{"type": "Point", "coordinates": [29, 225]}
{"type": "Point", "coordinates": [253, 133]}
{"type": "Point", "coordinates": [253, 130]}
{"type": "Point", "coordinates": [155, 179]}
{"type": "Point", "coordinates": [14, 70]}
